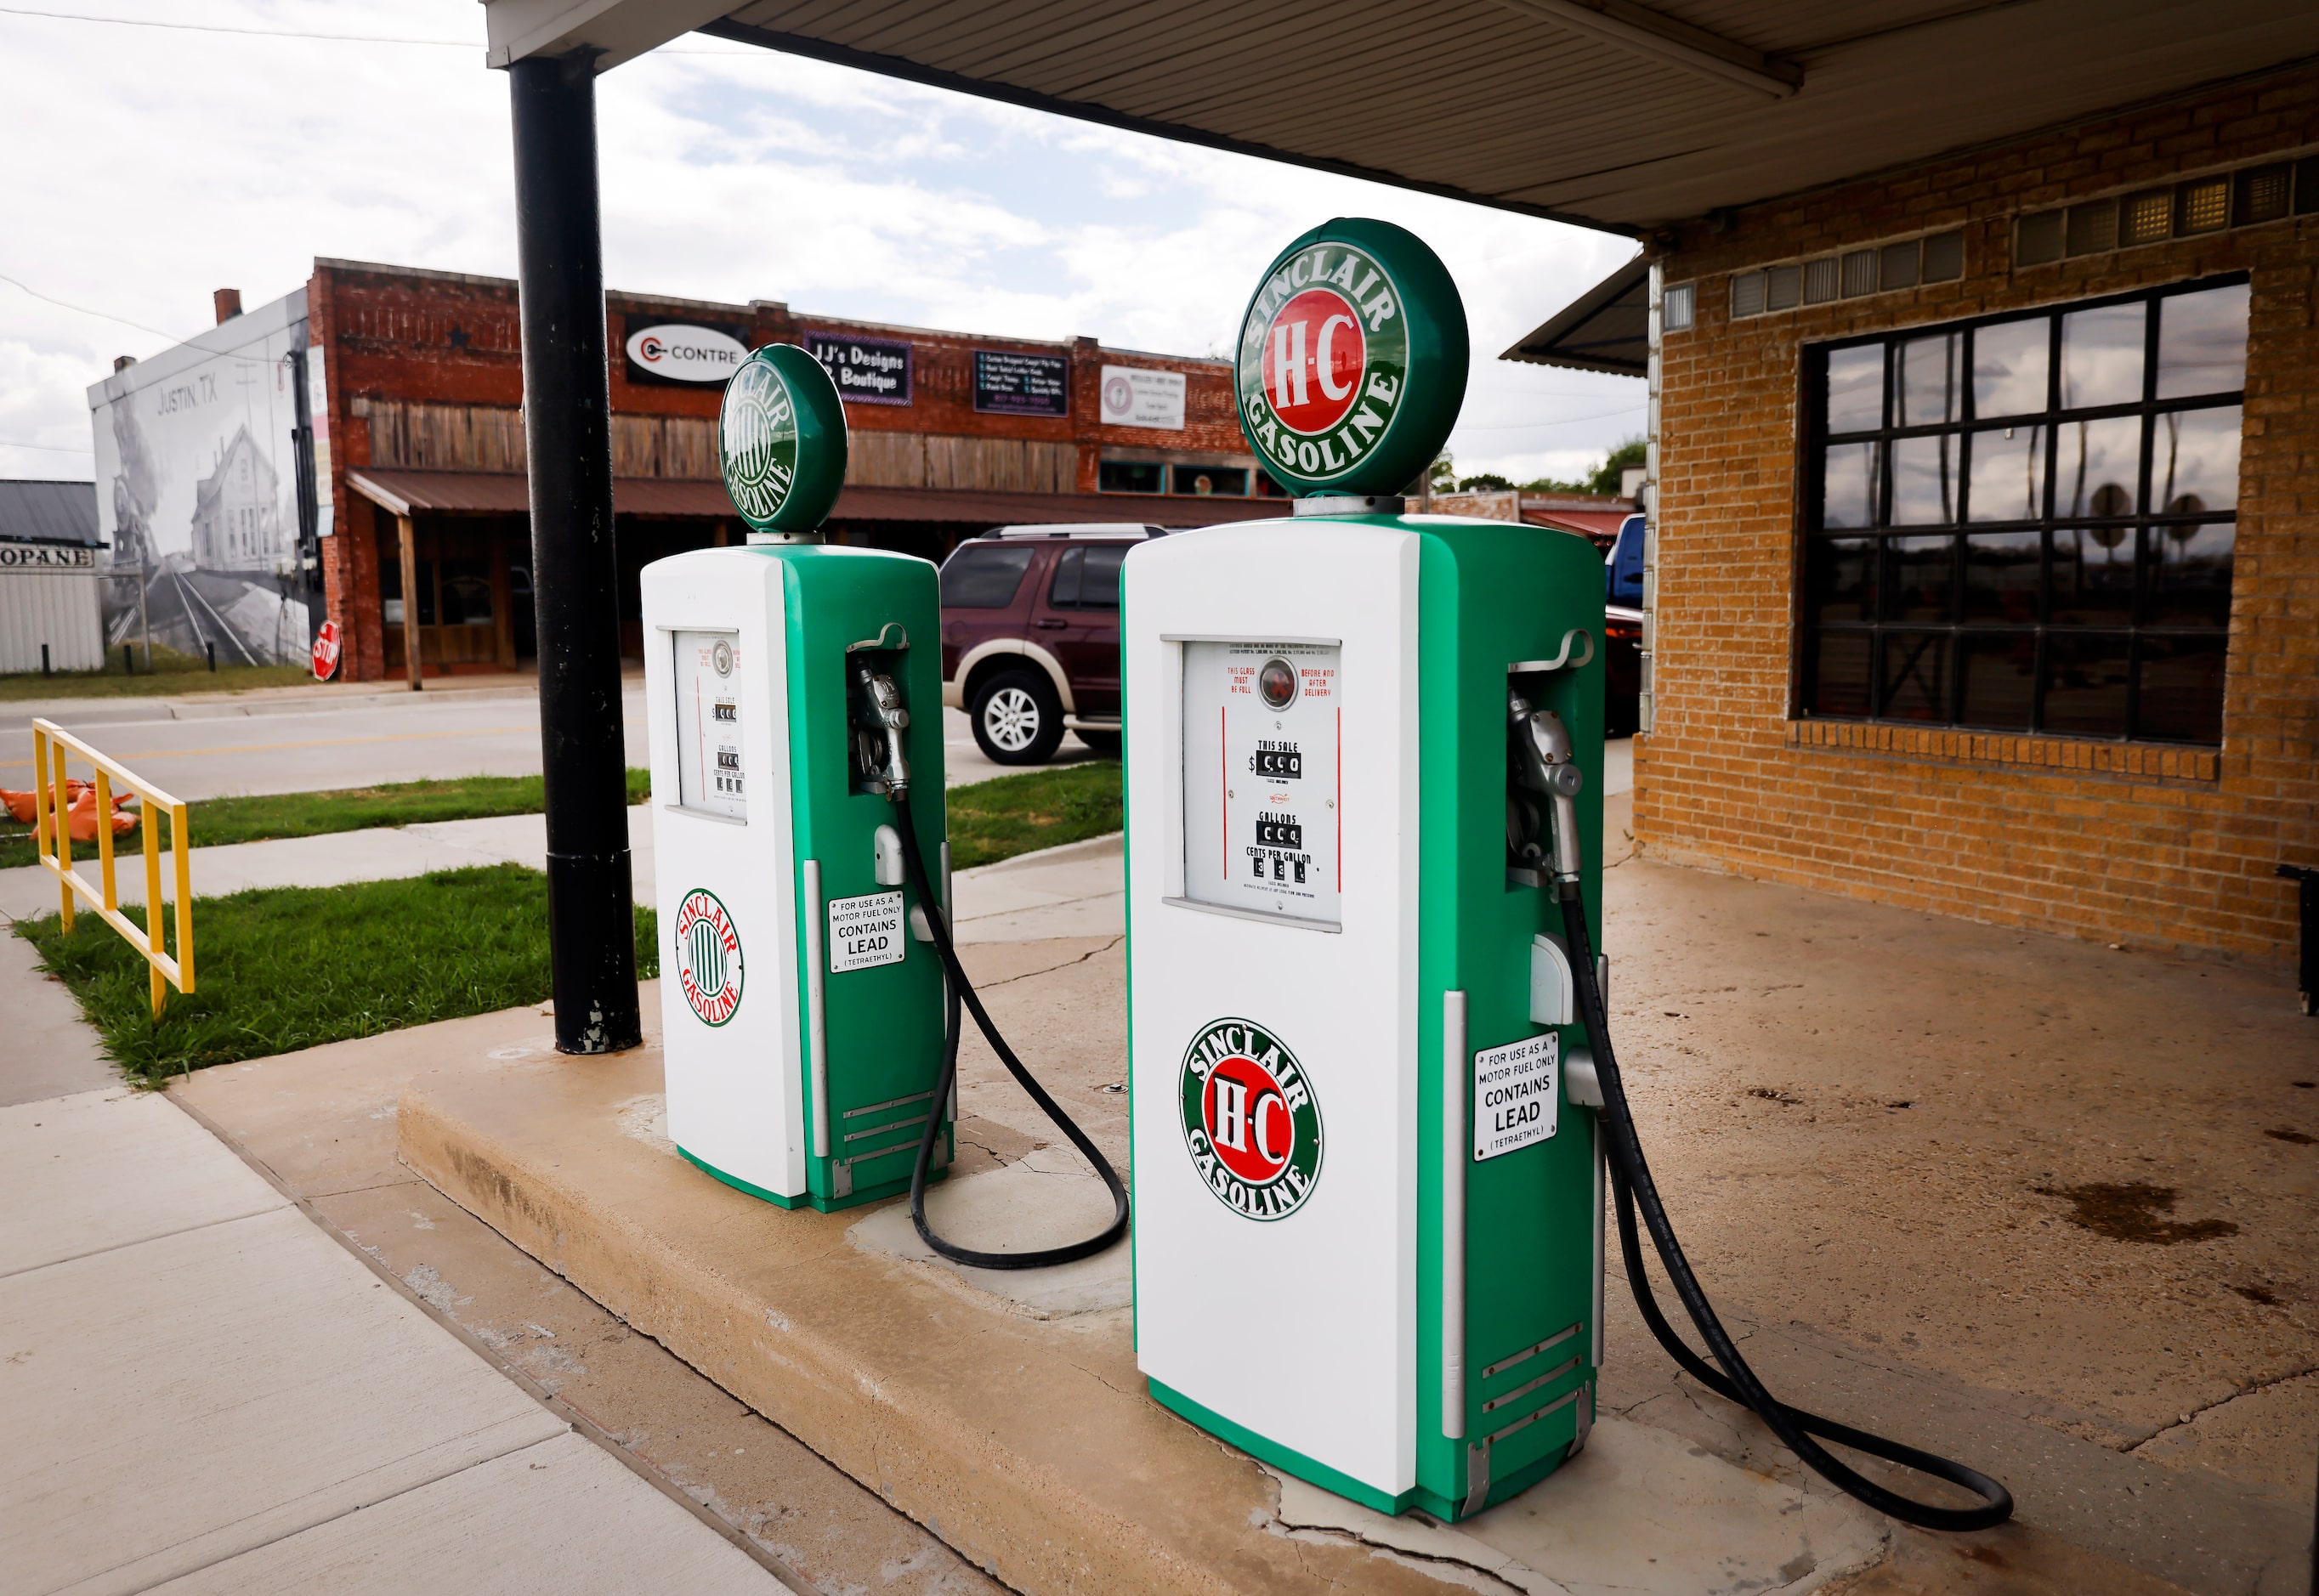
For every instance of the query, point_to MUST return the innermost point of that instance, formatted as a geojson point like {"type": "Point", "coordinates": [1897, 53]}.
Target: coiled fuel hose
{"type": "Point", "coordinates": [1631, 1183]}
{"type": "Point", "coordinates": [961, 990]}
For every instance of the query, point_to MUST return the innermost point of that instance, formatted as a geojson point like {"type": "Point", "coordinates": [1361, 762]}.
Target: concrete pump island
{"type": "Point", "coordinates": [1377, 1149]}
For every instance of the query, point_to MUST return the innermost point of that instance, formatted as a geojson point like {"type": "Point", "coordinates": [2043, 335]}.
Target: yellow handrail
{"type": "Point", "coordinates": [52, 825]}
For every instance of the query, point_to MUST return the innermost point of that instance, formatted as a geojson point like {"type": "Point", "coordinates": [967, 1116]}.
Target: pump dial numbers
{"type": "Point", "coordinates": [712, 774]}
{"type": "Point", "coordinates": [1281, 761]}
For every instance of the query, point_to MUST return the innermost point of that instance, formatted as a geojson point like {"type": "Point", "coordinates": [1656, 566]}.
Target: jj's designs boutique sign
{"type": "Point", "coordinates": [682, 352]}
{"type": "Point", "coordinates": [866, 371]}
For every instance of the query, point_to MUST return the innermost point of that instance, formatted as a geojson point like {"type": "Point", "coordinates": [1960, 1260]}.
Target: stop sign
{"type": "Point", "coordinates": [326, 651]}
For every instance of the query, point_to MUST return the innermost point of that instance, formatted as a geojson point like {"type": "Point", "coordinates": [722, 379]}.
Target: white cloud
{"type": "Point", "coordinates": [153, 165]}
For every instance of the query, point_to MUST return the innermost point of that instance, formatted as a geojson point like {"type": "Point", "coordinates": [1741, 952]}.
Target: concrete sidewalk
{"type": "Point", "coordinates": [205, 1392]}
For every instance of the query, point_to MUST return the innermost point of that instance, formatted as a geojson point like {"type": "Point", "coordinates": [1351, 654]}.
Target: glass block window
{"type": "Point", "coordinates": [2026, 523]}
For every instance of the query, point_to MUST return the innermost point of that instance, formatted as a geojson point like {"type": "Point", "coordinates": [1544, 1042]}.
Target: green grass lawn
{"type": "Point", "coordinates": [1045, 808]}
{"type": "Point", "coordinates": [172, 672]}
{"type": "Point", "coordinates": [294, 966]}
{"type": "Point", "coordinates": [216, 821]}
{"type": "Point", "coordinates": [286, 968]}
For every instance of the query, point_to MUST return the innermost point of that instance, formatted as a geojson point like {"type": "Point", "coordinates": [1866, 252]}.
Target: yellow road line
{"type": "Point", "coordinates": [487, 731]}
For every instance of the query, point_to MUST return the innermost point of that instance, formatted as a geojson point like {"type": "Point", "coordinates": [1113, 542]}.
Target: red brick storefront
{"type": "Point", "coordinates": [2109, 729]}
{"type": "Point", "coordinates": [424, 376]}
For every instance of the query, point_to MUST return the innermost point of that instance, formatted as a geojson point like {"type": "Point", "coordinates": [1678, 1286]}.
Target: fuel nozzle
{"type": "Point", "coordinates": [879, 710]}
{"type": "Point", "coordinates": [1544, 742]}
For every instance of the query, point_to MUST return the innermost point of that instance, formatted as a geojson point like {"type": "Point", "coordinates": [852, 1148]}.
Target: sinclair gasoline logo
{"type": "Point", "coordinates": [1324, 358]}
{"type": "Point", "coordinates": [708, 957]}
{"type": "Point", "coordinates": [1250, 1120]}
{"type": "Point", "coordinates": [757, 433]}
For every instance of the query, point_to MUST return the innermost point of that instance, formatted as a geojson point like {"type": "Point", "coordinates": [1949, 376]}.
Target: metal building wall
{"type": "Point", "coordinates": [57, 608]}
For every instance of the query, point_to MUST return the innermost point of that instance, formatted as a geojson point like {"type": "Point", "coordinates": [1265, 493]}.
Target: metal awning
{"type": "Point", "coordinates": [1611, 113]}
{"type": "Point", "coordinates": [1607, 329]}
{"type": "Point", "coordinates": [492, 493]}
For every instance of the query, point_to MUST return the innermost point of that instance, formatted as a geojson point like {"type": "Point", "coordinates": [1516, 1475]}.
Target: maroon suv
{"type": "Point", "coordinates": [1031, 636]}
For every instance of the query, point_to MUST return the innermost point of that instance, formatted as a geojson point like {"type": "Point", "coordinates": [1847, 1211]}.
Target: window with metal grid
{"type": "Point", "coordinates": [2027, 522]}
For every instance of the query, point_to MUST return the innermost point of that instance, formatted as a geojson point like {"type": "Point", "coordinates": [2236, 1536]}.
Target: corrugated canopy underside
{"type": "Point", "coordinates": [1602, 112]}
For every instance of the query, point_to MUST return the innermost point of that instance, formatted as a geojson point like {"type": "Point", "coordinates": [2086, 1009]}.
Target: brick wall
{"type": "Point", "coordinates": [2141, 845]}
{"type": "Point", "coordinates": [425, 369]}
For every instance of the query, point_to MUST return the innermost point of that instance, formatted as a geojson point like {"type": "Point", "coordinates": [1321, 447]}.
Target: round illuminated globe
{"type": "Point", "coordinates": [1351, 361]}
{"type": "Point", "coordinates": [780, 440]}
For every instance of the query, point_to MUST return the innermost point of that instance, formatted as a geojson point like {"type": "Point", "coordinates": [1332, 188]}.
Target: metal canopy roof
{"type": "Point", "coordinates": [1605, 112]}
{"type": "Point", "coordinates": [1607, 329]}
{"type": "Point", "coordinates": [49, 512]}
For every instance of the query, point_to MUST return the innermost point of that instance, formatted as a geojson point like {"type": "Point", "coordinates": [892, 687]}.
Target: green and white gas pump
{"type": "Point", "coordinates": [801, 1007]}
{"type": "Point", "coordinates": [809, 992]}
{"type": "Point", "coordinates": [1372, 1087]}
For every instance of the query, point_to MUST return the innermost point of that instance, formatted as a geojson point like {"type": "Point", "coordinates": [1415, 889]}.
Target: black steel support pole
{"type": "Point", "coordinates": [575, 581]}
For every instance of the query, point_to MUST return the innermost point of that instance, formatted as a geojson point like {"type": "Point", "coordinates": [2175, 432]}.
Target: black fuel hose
{"type": "Point", "coordinates": [913, 864]}
{"type": "Point", "coordinates": [1630, 1179]}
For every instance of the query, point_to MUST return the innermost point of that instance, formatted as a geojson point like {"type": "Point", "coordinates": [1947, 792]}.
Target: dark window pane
{"type": "Point", "coordinates": [983, 575]}
{"type": "Point", "coordinates": [2202, 339]}
{"type": "Point", "coordinates": [2000, 679]}
{"type": "Point", "coordinates": [1919, 574]}
{"type": "Point", "coordinates": [2085, 684]}
{"type": "Point", "coordinates": [2189, 578]}
{"type": "Point", "coordinates": [1915, 675]}
{"type": "Point", "coordinates": [1856, 389]}
{"type": "Point", "coordinates": [2100, 467]}
{"type": "Point", "coordinates": [1944, 258]}
{"type": "Point", "coordinates": [1840, 578]}
{"type": "Point", "coordinates": [1784, 287]}
{"type": "Point", "coordinates": [2101, 356]}
{"type": "Point", "coordinates": [1063, 591]}
{"type": "Point", "coordinates": [1928, 389]}
{"type": "Point", "coordinates": [2093, 576]}
{"type": "Point", "coordinates": [2181, 690]}
{"type": "Point", "coordinates": [1899, 266]}
{"type": "Point", "coordinates": [2001, 576]}
{"type": "Point", "coordinates": [1130, 476]}
{"type": "Point", "coordinates": [1100, 588]}
{"type": "Point", "coordinates": [2194, 460]}
{"type": "Point", "coordinates": [1925, 481]}
{"type": "Point", "coordinates": [1848, 485]}
{"type": "Point", "coordinates": [2008, 473]}
{"type": "Point", "coordinates": [2008, 367]}
{"type": "Point", "coordinates": [1228, 481]}
{"type": "Point", "coordinates": [1840, 673]}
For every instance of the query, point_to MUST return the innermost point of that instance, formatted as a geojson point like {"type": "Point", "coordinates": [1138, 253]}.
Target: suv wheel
{"type": "Point", "coordinates": [1017, 718]}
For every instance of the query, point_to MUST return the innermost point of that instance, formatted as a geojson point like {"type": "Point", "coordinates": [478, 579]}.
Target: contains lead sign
{"type": "Point", "coordinates": [1517, 1095]}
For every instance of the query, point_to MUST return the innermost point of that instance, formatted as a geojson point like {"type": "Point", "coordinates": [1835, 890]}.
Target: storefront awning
{"type": "Point", "coordinates": [490, 492]}
{"type": "Point", "coordinates": [1607, 329]}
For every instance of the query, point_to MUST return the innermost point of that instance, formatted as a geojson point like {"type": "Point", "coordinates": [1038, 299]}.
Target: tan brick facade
{"type": "Point", "coordinates": [2143, 845]}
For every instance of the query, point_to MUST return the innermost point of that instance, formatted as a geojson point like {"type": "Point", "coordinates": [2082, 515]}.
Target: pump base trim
{"type": "Point", "coordinates": [861, 1195]}
{"type": "Point", "coordinates": [1285, 1459]}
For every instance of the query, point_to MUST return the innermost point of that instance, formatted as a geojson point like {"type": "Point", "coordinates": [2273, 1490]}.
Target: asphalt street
{"type": "Point", "coordinates": [305, 739]}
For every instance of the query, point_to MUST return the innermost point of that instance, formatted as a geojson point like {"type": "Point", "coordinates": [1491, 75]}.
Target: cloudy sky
{"type": "Point", "coordinates": [151, 165]}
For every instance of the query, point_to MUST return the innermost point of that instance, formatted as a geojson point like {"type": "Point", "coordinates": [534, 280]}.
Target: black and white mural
{"type": "Point", "coordinates": [197, 491]}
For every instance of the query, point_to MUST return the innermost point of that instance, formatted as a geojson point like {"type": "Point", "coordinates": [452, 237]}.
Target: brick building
{"type": "Point", "coordinates": [1985, 549]}
{"type": "Point", "coordinates": [418, 385]}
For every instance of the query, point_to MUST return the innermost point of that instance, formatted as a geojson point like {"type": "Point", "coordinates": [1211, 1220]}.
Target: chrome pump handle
{"type": "Point", "coordinates": [881, 701]}
{"type": "Point", "coordinates": [1549, 768]}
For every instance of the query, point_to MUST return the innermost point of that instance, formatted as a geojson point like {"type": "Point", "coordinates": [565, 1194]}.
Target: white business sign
{"type": "Point", "coordinates": [865, 930]}
{"type": "Point", "coordinates": [1516, 1097]}
{"type": "Point", "coordinates": [1133, 396]}
{"type": "Point", "coordinates": [687, 353]}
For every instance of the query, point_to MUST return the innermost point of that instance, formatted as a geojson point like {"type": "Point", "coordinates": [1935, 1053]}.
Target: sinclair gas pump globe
{"type": "Point", "coordinates": [801, 1017]}
{"type": "Point", "coordinates": [1367, 1238]}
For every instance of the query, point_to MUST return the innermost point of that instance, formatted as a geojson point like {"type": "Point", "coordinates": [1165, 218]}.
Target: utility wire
{"type": "Point", "coordinates": [85, 311]}
{"type": "Point", "coordinates": [10, 443]}
{"type": "Point", "coordinates": [139, 22]}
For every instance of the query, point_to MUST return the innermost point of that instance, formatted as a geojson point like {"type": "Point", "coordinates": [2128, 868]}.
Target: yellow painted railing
{"type": "Point", "coordinates": [52, 826]}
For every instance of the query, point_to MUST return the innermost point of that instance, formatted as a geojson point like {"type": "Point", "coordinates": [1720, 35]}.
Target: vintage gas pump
{"type": "Point", "coordinates": [802, 1005]}
{"type": "Point", "coordinates": [1371, 1080]}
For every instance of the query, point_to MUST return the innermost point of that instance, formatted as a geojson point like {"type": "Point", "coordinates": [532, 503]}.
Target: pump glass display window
{"type": "Point", "coordinates": [2026, 523]}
